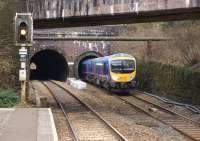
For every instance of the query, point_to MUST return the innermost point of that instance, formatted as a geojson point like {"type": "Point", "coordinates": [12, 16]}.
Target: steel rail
{"type": "Point", "coordinates": [165, 100]}
{"type": "Point", "coordinates": [91, 109]}
{"type": "Point", "coordinates": [168, 110]}
{"type": "Point", "coordinates": [157, 118]}
{"type": "Point", "coordinates": [75, 136]}
{"type": "Point", "coordinates": [168, 122]}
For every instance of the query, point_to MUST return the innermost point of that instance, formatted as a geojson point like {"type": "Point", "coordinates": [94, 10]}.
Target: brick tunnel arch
{"type": "Point", "coordinates": [49, 64]}
{"type": "Point", "coordinates": [81, 58]}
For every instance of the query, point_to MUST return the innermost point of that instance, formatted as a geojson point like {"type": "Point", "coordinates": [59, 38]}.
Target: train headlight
{"type": "Point", "coordinates": [132, 77]}
{"type": "Point", "coordinates": [115, 78]}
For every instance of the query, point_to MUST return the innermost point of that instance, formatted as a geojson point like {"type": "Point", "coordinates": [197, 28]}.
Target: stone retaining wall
{"type": "Point", "coordinates": [8, 55]}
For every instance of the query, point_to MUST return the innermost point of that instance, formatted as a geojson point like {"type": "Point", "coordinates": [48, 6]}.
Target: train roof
{"type": "Point", "coordinates": [121, 55]}
{"type": "Point", "coordinates": [110, 56]}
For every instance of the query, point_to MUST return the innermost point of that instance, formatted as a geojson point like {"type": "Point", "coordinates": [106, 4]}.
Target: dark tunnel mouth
{"type": "Point", "coordinates": [80, 75]}
{"type": "Point", "coordinates": [50, 65]}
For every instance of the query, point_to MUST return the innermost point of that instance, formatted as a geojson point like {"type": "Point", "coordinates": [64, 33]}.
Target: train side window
{"type": "Point", "coordinates": [96, 68]}
{"type": "Point", "coordinates": [104, 68]}
{"type": "Point", "coordinates": [83, 67]}
{"type": "Point", "coordinates": [93, 67]}
{"type": "Point", "coordinates": [87, 67]}
{"type": "Point", "coordinates": [90, 68]}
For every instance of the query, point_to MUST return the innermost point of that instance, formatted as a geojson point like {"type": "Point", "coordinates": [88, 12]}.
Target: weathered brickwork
{"type": "Point", "coordinates": [63, 8]}
{"type": "Point", "coordinates": [7, 12]}
{"type": "Point", "coordinates": [73, 50]}
{"type": "Point", "coordinates": [8, 52]}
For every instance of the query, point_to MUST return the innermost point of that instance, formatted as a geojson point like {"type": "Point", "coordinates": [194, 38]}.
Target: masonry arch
{"type": "Point", "coordinates": [83, 57]}
{"type": "Point", "coordinates": [48, 64]}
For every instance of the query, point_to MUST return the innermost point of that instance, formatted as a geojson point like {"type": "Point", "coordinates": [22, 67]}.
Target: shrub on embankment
{"type": "Point", "coordinates": [177, 83]}
{"type": "Point", "coordinates": [8, 98]}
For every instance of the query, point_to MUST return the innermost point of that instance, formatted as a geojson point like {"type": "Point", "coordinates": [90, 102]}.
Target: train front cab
{"type": "Point", "coordinates": [122, 73]}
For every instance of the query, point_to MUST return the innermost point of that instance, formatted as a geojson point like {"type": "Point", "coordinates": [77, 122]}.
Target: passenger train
{"type": "Point", "coordinates": [115, 72]}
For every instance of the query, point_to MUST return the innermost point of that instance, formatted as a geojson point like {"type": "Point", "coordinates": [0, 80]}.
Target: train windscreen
{"type": "Point", "coordinates": [122, 66]}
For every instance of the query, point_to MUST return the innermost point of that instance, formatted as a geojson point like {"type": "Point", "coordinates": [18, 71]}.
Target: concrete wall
{"type": "Point", "coordinates": [64, 8]}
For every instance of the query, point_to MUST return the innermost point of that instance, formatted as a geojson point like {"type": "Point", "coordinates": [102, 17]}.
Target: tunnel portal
{"type": "Point", "coordinates": [49, 65]}
{"type": "Point", "coordinates": [83, 57]}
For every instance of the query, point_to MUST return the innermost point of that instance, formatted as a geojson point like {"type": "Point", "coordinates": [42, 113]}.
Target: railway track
{"type": "Point", "coordinates": [177, 121]}
{"type": "Point", "coordinates": [166, 109]}
{"type": "Point", "coordinates": [191, 108]}
{"type": "Point", "coordinates": [85, 123]}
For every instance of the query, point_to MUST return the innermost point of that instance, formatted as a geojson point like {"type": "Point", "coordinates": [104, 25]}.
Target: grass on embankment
{"type": "Point", "coordinates": [8, 98]}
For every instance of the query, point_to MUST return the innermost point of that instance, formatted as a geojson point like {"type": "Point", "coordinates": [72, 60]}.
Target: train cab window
{"type": "Point", "coordinates": [122, 66]}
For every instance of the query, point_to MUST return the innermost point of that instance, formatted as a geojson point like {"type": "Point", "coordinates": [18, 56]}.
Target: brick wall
{"type": "Point", "coordinates": [8, 52]}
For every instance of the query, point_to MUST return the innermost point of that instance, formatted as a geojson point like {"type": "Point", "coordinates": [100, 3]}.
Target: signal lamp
{"type": "Point", "coordinates": [23, 32]}
{"type": "Point", "coordinates": [23, 28]}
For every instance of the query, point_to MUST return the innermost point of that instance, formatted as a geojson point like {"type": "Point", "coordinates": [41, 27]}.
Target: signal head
{"type": "Point", "coordinates": [23, 28]}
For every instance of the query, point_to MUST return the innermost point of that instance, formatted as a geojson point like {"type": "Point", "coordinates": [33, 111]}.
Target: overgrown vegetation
{"type": "Point", "coordinates": [186, 39]}
{"type": "Point", "coordinates": [177, 83]}
{"type": "Point", "coordinates": [8, 98]}
{"type": "Point", "coordinates": [173, 68]}
{"type": "Point", "coordinates": [8, 74]}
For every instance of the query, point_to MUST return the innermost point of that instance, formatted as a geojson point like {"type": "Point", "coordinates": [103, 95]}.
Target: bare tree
{"type": "Point", "coordinates": [187, 41]}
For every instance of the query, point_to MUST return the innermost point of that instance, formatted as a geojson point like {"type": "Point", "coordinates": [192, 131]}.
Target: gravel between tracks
{"type": "Point", "coordinates": [87, 125]}
{"type": "Point", "coordinates": [131, 123]}
{"type": "Point", "coordinates": [179, 109]}
{"type": "Point", "coordinates": [62, 126]}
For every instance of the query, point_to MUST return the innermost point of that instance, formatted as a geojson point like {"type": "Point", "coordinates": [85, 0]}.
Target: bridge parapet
{"type": "Point", "coordinates": [61, 8]}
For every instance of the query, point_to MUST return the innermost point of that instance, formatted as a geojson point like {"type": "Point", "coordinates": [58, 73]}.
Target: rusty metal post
{"type": "Point", "coordinates": [23, 92]}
